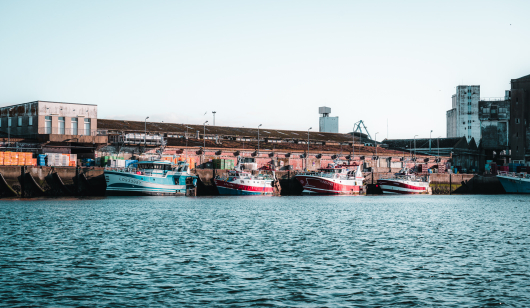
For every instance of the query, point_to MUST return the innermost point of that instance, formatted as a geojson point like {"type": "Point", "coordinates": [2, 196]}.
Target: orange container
{"type": "Point", "coordinates": [28, 156]}
{"type": "Point", "coordinates": [1, 161]}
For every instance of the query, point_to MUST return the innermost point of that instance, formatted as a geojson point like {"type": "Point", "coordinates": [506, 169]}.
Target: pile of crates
{"type": "Point", "coordinates": [223, 164]}
{"type": "Point", "coordinates": [58, 160]}
{"type": "Point", "coordinates": [17, 159]}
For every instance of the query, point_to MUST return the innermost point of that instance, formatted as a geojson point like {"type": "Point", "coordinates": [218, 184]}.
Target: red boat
{"type": "Point", "coordinates": [405, 182]}
{"type": "Point", "coordinates": [334, 180]}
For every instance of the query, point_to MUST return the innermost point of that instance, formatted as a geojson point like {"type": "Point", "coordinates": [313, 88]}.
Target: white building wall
{"type": "Point", "coordinates": [467, 115]}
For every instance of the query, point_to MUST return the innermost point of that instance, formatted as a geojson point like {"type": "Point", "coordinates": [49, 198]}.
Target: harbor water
{"type": "Point", "coordinates": [312, 251]}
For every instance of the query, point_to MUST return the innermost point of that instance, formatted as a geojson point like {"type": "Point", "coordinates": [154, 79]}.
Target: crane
{"type": "Point", "coordinates": [359, 127]}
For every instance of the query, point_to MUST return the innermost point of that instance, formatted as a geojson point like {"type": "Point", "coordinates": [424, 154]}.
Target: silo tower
{"type": "Point", "coordinates": [327, 124]}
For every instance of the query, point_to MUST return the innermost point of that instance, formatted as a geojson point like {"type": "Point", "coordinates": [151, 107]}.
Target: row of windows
{"type": "Point", "coordinates": [62, 130]}
{"type": "Point", "coordinates": [19, 122]}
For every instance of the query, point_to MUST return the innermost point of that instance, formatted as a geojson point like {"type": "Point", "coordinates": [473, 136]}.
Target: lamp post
{"type": "Point", "coordinates": [439, 146]}
{"type": "Point", "coordinates": [204, 136]}
{"type": "Point", "coordinates": [415, 145]}
{"type": "Point", "coordinates": [145, 132]}
{"type": "Point", "coordinates": [376, 143]}
{"type": "Point", "coordinates": [214, 112]}
{"type": "Point", "coordinates": [9, 127]}
{"type": "Point", "coordinates": [258, 138]}
{"type": "Point", "coordinates": [307, 155]}
{"type": "Point", "coordinates": [187, 141]}
{"type": "Point", "coordinates": [430, 137]}
{"type": "Point", "coordinates": [353, 144]}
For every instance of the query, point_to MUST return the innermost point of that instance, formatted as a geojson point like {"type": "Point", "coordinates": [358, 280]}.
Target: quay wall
{"type": "Point", "coordinates": [73, 181]}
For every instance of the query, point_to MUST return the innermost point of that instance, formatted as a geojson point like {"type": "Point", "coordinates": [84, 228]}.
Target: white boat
{"type": "Point", "coordinates": [244, 183]}
{"type": "Point", "coordinates": [239, 182]}
{"type": "Point", "coordinates": [405, 182]}
{"type": "Point", "coordinates": [337, 179]}
{"type": "Point", "coordinates": [150, 178]}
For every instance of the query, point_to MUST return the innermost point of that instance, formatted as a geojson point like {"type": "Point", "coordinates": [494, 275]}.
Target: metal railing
{"type": "Point", "coordinates": [66, 131]}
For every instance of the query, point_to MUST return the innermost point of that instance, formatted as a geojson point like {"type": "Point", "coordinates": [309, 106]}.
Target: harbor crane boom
{"type": "Point", "coordinates": [359, 127]}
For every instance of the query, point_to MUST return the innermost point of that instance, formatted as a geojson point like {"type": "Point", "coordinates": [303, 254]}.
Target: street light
{"type": "Point", "coordinates": [8, 128]}
{"type": "Point", "coordinates": [415, 145]}
{"type": "Point", "coordinates": [307, 155]}
{"type": "Point", "coordinates": [353, 143]}
{"type": "Point", "coordinates": [258, 138]}
{"type": "Point", "coordinates": [145, 132]}
{"type": "Point", "coordinates": [430, 137]}
{"type": "Point", "coordinates": [439, 146]}
{"type": "Point", "coordinates": [214, 112]}
{"type": "Point", "coordinates": [204, 136]}
{"type": "Point", "coordinates": [376, 143]}
{"type": "Point", "coordinates": [187, 142]}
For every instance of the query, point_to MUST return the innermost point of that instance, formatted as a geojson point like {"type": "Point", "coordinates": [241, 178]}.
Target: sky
{"type": "Point", "coordinates": [264, 62]}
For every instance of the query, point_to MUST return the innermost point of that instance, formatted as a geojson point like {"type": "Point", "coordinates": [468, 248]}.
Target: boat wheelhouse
{"type": "Point", "coordinates": [150, 178]}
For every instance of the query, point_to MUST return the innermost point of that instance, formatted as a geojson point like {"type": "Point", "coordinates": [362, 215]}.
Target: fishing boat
{"type": "Point", "coordinates": [405, 182]}
{"type": "Point", "coordinates": [515, 183]}
{"type": "Point", "coordinates": [159, 178]}
{"type": "Point", "coordinates": [336, 179]}
{"type": "Point", "coordinates": [238, 182]}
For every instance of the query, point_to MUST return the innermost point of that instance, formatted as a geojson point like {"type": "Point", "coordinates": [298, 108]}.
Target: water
{"type": "Point", "coordinates": [405, 251]}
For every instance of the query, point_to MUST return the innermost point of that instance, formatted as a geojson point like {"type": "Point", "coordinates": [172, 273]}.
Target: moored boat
{"type": "Point", "coordinates": [405, 182]}
{"type": "Point", "coordinates": [238, 182]}
{"type": "Point", "coordinates": [336, 179]}
{"type": "Point", "coordinates": [514, 183]}
{"type": "Point", "coordinates": [157, 178]}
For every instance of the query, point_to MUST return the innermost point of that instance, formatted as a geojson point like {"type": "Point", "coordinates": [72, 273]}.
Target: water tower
{"type": "Point", "coordinates": [327, 124]}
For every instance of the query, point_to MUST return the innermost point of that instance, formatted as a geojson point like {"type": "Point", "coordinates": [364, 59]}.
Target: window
{"type": "Point", "coordinates": [87, 127]}
{"type": "Point", "coordinates": [19, 121]}
{"type": "Point", "coordinates": [30, 121]}
{"type": "Point", "coordinates": [74, 126]}
{"type": "Point", "coordinates": [61, 125]}
{"type": "Point", "coordinates": [47, 125]}
{"type": "Point", "coordinates": [8, 122]}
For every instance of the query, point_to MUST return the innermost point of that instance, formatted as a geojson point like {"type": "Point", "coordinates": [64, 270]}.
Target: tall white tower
{"type": "Point", "coordinates": [327, 124]}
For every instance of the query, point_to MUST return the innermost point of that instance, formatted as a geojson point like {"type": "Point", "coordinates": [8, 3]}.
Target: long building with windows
{"type": "Point", "coordinates": [49, 118]}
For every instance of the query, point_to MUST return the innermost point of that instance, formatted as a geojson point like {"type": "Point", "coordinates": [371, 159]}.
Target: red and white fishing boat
{"type": "Point", "coordinates": [238, 182]}
{"type": "Point", "coordinates": [334, 180]}
{"type": "Point", "coordinates": [405, 182]}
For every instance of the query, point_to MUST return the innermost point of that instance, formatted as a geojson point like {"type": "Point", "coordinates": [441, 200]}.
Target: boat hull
{"type": "Point", "coordinates": [126, 184]}
{"type": "Point", "coordinates": [324, 186]}
{"type": "Point", "coordinates": [513, 185]}
{"type": "Point", "coordinates": [229, 188]}
{"type": "Point", "coordinates": [389, 186]}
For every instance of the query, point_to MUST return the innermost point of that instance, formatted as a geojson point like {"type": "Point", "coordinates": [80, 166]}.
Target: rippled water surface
{"type": "Point", "coordinates": [275, 251]}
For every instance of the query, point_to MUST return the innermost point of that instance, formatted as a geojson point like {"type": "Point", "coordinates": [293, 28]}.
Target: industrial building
{"type": "Point", "coordinates": [463, 118]}
{"type": "Point", "coordinates": [520, 119]}
{"type": "Point", "coordinates": [327, 124]}
{"type": "Point", "coordinates": [494, 116]}
{"type": "Point", "coordinates": [46, 118]}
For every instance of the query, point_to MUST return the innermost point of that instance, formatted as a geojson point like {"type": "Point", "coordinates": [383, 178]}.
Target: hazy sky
{"type": "Point", "coordinates": [264, 62]}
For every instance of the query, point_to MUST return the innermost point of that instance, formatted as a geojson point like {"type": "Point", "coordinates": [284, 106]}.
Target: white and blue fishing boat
{"type": "Point", "coordinates": [158, 178]}
{"type": "Point", "coordinates": [515, 183]}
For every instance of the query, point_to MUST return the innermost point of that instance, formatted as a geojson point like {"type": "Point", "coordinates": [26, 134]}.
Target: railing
{"type": "Point", "coordinates": [66, 131]}
{"type": "Point", "coordinates": [492, 99]}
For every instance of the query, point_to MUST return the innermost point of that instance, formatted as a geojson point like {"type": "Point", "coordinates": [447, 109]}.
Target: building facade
{"type": "Point", "coordinates": [520, 119]}
{"type": "Point", "coordinates": [48, 118]}
{"type": "Point", "coordinates": [494, 116]}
